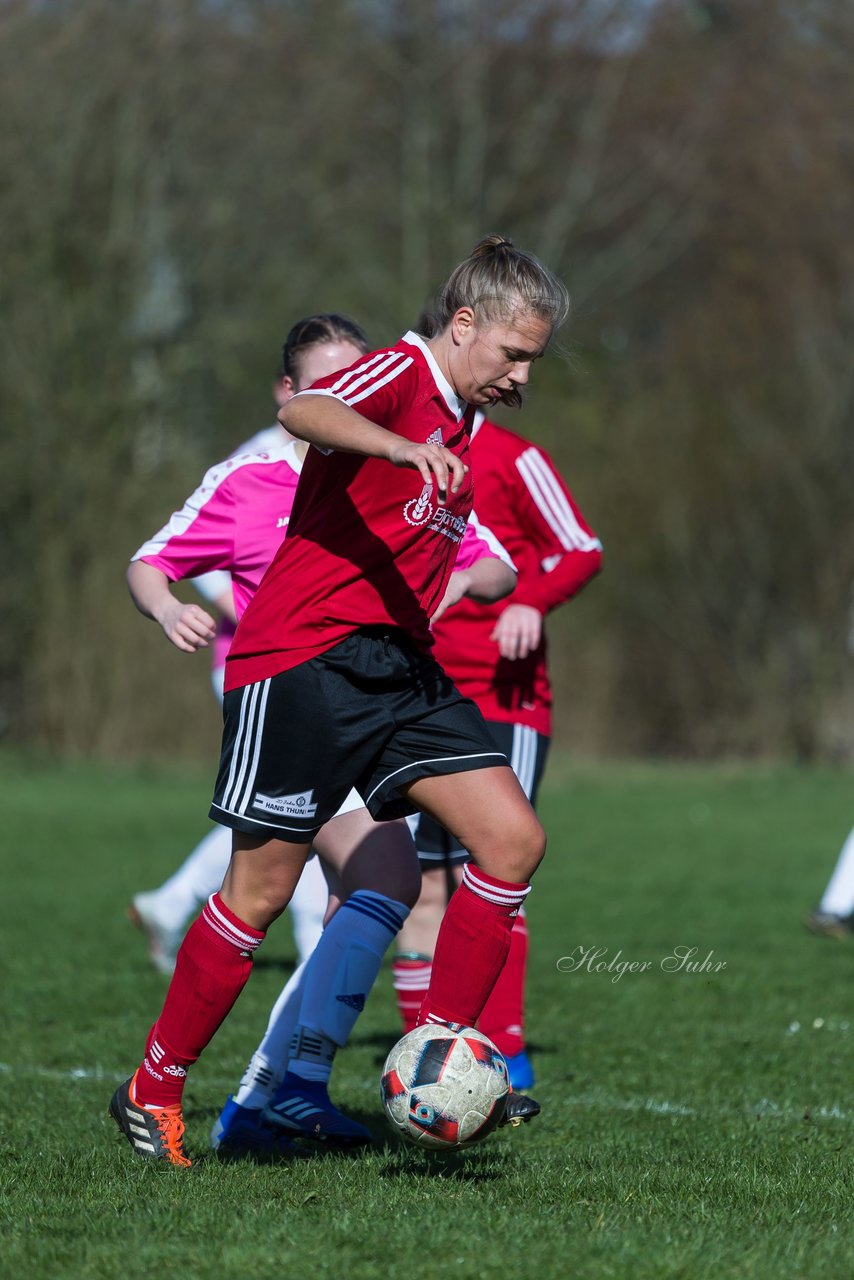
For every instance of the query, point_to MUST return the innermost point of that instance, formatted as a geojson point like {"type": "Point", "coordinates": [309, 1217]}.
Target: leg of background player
{"type": "Point", "coordinates": [834, 916]}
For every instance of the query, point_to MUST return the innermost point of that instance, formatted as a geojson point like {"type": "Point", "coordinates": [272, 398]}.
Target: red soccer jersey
{"type": "Point", "coordinates": [523, 500]}
{"type": "Point", "coordinates": [368, 543]}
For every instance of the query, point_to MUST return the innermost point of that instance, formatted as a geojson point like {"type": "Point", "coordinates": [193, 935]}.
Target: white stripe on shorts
{"type": "Point", "coordinates": [414, 764]}
{"type": "Point", "coordinates": [246, 747]}
{"type": "Point", "coordinates": [523, 756]}
{"type": "Point", "coordinates": [259, 733]}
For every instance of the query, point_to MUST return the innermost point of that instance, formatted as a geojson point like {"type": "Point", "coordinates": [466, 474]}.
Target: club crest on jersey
{"type": "Point", "coordinates": [419, 510]}
{"type": "Point", "coordinates": [298, 805]}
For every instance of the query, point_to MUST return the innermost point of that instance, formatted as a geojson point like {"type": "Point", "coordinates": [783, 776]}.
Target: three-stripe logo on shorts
{"type": "Point", "coordinates": [246, 751]}
{"type": "Point", "coordinates": [523, 756]}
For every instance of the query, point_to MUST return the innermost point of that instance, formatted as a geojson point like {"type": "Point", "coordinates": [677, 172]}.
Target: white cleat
{"type": "Point", "coordinates": [163, 940]}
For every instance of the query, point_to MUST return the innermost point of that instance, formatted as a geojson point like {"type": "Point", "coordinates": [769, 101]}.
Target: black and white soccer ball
{"type": "Point", "coordinates": [444, 1085]}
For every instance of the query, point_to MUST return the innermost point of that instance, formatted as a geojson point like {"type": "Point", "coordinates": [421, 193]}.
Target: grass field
{"type": "Point", "coordinates": [695, 1124]}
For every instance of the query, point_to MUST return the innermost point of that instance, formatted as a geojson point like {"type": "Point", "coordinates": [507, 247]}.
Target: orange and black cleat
{"type": "Point", "coordinates": [153, 1134]}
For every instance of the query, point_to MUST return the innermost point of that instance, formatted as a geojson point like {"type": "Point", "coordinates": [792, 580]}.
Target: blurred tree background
{"type": "Point", "coordinates": [181, 179]}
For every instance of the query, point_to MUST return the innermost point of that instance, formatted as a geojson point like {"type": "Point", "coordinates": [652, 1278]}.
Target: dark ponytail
{"type": "Point", "coordinates": [311, 332]}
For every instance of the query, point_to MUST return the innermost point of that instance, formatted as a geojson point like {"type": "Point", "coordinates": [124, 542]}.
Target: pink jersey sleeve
{"type": "Point", "coordinates": [199, 537]}
{"type": "Point", "coordinates": [479, 542]}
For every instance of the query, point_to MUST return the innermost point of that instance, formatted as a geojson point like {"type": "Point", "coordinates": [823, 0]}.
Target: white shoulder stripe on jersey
{"type": "Point", "coordinates": [356, 370]}
{"type": "Point", "coordinates": [351, 399]}
{"type": "Point", "coordinates": [180, 521]}
{"type": "Point", "coordinates": [553, 504]}
{"type": "Point", "coordinates": [357, 376]}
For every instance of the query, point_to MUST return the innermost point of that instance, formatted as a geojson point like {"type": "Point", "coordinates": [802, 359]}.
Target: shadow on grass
{"type": "Point", "coordinates": [390, 1161]}
{"type": "Point", "coordinates": [476, 1165]}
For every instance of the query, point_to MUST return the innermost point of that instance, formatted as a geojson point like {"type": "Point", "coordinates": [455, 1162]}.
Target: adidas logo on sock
{"type": "Point", "coordinates": [356, 1002]}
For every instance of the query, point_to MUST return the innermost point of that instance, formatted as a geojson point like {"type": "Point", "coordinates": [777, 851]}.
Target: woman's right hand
{"type": "Point", "coordinates": [431, 460]}
{"type": "Point", "coordinates": [188, 626]}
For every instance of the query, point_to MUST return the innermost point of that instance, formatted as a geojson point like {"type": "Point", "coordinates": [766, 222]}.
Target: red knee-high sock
{"type": "Point", "coordinates": [212, 968]}
{"type": "Point", "coordinates": [472, 946]}
{"type": "Point", "coordinates": [411, 977]}
{"type": "Point", "coordinates": [503, 1017]}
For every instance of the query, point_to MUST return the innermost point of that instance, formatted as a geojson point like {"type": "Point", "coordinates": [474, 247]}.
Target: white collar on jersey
{"type": "Point", "coordinates": [449, 395]}
{"type": "Point", "coordinates": [477, 423]}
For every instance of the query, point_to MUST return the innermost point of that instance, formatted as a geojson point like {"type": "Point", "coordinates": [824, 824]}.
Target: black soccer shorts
{"type": "Point", "coordinates": [526, 751]}
{"type": "Point", "coordinates": [372, 713]}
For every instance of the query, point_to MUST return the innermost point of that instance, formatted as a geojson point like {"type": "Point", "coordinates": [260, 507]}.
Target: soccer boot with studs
{"type": "Point", "coordinates": [153, 1134]}
{"type": "Point", "coordinates": [519, 1110]}
{"type": "Point", "coordinates": [827, 925]}
{"type": "Point", "coordinates": [239, 1131]}
{"type": "Point", "coordinates": [164, 938]}
{"type": "Point", "coordinates": [303, 1109]}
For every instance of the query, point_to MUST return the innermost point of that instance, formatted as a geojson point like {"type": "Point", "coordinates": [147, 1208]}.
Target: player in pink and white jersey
{"type": "Point", "coordinates": [330, 683]}
{"type": "Point", "coordinates": [233, 523]}
{"type": "Point", "coordinates": [314, 346]}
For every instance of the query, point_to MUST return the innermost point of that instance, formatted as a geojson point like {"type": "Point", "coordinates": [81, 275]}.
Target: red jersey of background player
{"type": "Point", "coordinates": [523, 500]}
{"type": "Point", "coordinates": [368, 543]}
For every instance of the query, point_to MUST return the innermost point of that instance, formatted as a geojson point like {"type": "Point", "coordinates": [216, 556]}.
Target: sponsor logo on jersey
{"type": "Point", "coordinates": [447, 523]}
{"type": "Point", "coordinates": [419, 510]}
{"type": "Point", "coordinates": [299, 805]}
{"type": "Point", "coordinates": [282, 522]}
{"type": "Point", "coordinates": [435, 437]}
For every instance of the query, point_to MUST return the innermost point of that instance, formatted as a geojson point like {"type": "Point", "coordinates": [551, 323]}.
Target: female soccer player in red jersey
{"type": "Point", "coordinates": [335, 644]}
{"type": "Point", "coordinates": [496, 655]}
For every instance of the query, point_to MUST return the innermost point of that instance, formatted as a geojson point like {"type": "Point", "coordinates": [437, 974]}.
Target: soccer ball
{"type": "Point", "coordinates": [444, 1085]}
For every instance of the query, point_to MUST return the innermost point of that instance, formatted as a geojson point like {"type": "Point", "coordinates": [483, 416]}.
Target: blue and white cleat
{"type": "Point", "coordinates": [520, 1071]}
{"type": "Point", "coordinates": [239, 1131]}
{"type": "Point", "coordinates": [303, 1109]}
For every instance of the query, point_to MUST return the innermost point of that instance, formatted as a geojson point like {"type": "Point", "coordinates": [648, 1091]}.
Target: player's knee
{"type": "Point", "coordinates": [405, 884]}
{"type": "Point", "coordinates": [257, 905]}
{"type": "Point", "coordinates": [529, 849]}
{"type": "Point", "coordinates": [516, 853]}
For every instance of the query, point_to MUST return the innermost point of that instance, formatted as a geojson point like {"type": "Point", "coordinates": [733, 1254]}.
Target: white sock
{"type": "Point", "coordinates": [267, 1065]}
{"type": "Point", "coordinates": [342, 972]}
{"type": "Point", "coordinates": [838, 897]}
{"type": "Point", "coordinates": [199, 875]}
{"type": "Point", "coordinates": [308, 907]}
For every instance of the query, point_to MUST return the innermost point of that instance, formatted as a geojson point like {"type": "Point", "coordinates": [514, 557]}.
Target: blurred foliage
{"type": "Point", "coordinates": [184, 178]}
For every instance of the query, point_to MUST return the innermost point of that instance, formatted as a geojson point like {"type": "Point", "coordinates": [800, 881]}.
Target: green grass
{"type": "Point", "coordinates": [688, 1130]}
